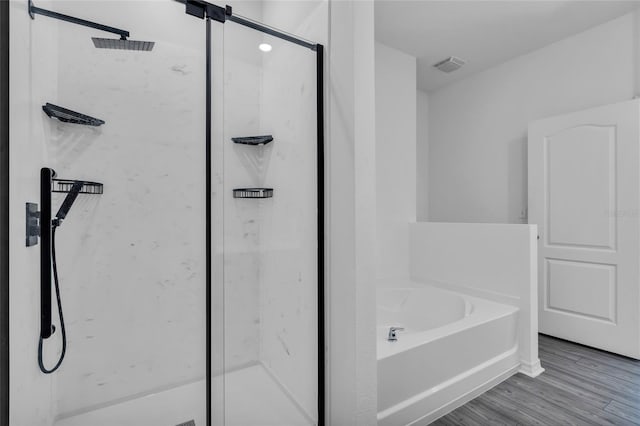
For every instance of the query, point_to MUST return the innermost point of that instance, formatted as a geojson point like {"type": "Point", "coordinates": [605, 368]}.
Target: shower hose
{"type": "Point", "coordinates": [57, 286]}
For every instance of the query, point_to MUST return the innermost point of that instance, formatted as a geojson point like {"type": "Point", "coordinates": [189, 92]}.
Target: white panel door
{"type": "Point", "coordinates": [584, 189]}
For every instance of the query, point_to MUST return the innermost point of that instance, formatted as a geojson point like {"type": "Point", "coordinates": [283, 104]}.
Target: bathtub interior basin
{"type": "Point", "coordinates": [419, 309]}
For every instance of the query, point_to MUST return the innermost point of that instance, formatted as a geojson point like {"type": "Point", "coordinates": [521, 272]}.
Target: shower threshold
{"type": "Point", "coordinates": [252, 397]}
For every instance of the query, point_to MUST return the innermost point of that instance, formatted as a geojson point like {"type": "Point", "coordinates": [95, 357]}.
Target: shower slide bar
{"type": "Point", "coordinates": [48, 185]}
{"type": "Point", "coordinates": [42, 224]}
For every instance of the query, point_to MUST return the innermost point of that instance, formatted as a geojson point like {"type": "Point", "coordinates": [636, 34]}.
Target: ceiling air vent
{"type": "Point", "coordinates": [450, 64]}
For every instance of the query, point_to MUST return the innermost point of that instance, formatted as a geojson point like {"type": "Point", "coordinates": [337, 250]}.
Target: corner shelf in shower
{"type": "Point", "coordinates": [68, 116]}
{"type": "Point", "coordinates": [253, 140]}
{"type": "Point", "coordinates": [253, 193]}
{"type": "Point", "coordinates": [66, 186]}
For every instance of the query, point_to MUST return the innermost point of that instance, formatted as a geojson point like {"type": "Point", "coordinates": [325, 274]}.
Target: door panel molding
{"type": "Point", "coordinates": [561, 305]}
{"type": "Point", "coordinates": [577, 203]}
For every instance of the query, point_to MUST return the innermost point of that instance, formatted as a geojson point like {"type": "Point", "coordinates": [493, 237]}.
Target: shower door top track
{"type": "Point", "coordinates": [202, 9]}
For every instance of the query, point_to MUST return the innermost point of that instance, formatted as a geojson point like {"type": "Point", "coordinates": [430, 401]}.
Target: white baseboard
{"type": "Point", "coordinates": [531, 369]}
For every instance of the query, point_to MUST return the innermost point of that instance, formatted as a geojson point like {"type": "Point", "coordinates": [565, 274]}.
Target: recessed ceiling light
{"type": "Point", "coordinates": [265, 47]}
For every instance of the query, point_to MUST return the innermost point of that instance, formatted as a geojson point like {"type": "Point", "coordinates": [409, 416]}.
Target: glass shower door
{"type": "Point", "coordinates": [131, 260]}
{"type": "Point", "coordinates": [267, 181]}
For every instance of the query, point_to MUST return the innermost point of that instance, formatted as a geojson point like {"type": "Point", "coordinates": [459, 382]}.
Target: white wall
{"type": "Point", "coordinates": [478, 126]}
{"type": "Point", "coordinates": [350, 155]}
{"type": "Point", "coordinates": [422, 156]}
{"type": "Point", "coordinates": [395, 159]}
{"type": "Point", "coordinates": [494, 261]}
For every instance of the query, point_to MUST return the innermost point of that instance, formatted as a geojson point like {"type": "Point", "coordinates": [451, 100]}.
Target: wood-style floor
{"type": "Point", "coordinates": [580, 386]}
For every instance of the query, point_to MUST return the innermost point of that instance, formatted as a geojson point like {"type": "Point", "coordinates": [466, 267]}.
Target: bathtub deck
{"type": "Point", "coordinates": [581, 385]}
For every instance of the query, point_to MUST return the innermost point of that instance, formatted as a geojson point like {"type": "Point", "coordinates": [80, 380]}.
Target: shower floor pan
{"type": "Point", "coordinates": [252, 398]}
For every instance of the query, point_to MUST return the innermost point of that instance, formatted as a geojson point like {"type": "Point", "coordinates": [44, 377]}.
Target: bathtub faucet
{"type": "Point", "coordinates": [393, 336]}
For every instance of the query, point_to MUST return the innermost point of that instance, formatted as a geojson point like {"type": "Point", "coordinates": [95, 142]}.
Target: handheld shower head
{"type": "Point", "coordinates": [122, 44]}
{"type": "Point", "coordinates": [68, 202]}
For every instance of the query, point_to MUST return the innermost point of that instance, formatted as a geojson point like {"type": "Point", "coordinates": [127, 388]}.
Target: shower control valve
{"type": "Point", "coordinates": [32, 231]}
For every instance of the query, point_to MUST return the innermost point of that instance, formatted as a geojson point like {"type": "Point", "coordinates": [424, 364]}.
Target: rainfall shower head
{"type": "Point", "coordinates": [101, 43]}
{"type": "Point", "coordinates": [122, 44]}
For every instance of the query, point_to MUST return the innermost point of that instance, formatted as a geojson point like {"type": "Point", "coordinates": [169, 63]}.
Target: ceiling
{"type": "Point", "coordinates": [484, 33]}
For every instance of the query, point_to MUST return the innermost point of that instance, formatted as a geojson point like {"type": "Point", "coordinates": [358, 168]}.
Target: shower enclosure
{"type": "Point", "coordinates": [187, 168]}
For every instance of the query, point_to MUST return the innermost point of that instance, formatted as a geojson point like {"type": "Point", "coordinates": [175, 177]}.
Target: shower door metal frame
{"type": "Point", "coordinates": [4, 212]}
{"type": "Point", "coordinates": [207, 11]}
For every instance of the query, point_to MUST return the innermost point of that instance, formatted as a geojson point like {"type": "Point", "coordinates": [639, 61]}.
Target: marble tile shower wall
{"type": "Point", "coordinates": [132, 259]}
{"type": "Point", "coordinates": [33, 74]}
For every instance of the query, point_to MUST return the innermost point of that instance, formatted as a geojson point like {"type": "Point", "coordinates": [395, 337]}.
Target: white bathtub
{"type": "Point", "coordinates": [453, 348]}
